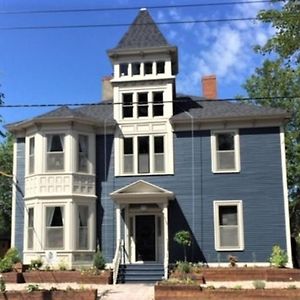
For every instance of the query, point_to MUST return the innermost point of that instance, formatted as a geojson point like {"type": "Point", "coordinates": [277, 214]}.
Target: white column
{"type": "Point", "coordinates": [118, 224]}
{"type": "Point", "coordinates": [166, 239]}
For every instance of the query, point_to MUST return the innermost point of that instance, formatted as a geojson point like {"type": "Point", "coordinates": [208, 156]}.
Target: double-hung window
{"type": "Point", "coordinates": [83, 153]}
{"type": "Point", "coordinates": [143, 155]}
{"type": "Point", "coordinates": [30, 228]}
{"type": "Point", "coordinates": [225, 151]}
{"type": "Point", "coordinates": [127, 105]}
{"type": "Point", "coordinates": [128, 155]}
{"type": "Point", "coordinates": [142, 104]}
{"type": "Point", "coordinates": [55, 227]}
{"type": "Point", "coordinates": [228, 219]}
{"type": "Point", "coordinates": [31, 155]}
{"type": "Point", "coordinates": [158, 106]}
{"type": "Point", "coordinates": [82, 236]}
{"type": "Point", "coordinates": [55, 152]}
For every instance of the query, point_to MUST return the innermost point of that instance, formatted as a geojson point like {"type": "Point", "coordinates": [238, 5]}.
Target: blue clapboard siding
{"type": "Point", "coordinates": [20, 174]}
{"type": "Point", "coordinates": [258, 185]}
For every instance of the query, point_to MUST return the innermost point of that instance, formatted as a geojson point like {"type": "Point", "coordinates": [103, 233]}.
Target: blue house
{"type": "Point", "coordinates": [145, 163]}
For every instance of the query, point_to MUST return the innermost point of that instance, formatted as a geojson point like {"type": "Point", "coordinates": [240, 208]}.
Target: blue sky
{"type": "Point", "coordinates": [66, 65]}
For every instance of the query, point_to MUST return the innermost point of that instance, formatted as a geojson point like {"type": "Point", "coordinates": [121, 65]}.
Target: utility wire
{"type": "Point", "coordinates": [185, 100]}
{"type": "Point", "coordinates": [99, 9]}
{"type": "Point", "coordinates": [127, 24]}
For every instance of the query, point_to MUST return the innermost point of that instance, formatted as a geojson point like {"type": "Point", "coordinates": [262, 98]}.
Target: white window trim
{"type": "Point", "coordinates": [27, 143]}
{"type": "Point", "coordinates": [89, 225]}
{"type": "Point", "coordinates": [237, 157]}
{"type": "Point", "coordinates": [65, 141]}
{"type": "Point", "coordinates": [89, 167]}
{"type": "Point", "coordinates": [168, 155]}
{"type": "Point", "coordinates": [26, 221]}
{"type": "Point", "coordinates": [239, 204]}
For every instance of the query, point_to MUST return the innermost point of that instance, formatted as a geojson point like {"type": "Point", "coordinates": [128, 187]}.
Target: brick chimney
{"type": "Point", "coordinates": [107, 90]}
{"type": "Point", "coordinates": [209, 86]}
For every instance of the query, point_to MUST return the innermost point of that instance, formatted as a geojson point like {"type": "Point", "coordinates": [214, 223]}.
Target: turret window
{"type": "Point", "coordinates": [142, 104]}
{"type": "Point", "coordinates": [127, 105]}
{"type": "Point", "coordinates": [160, 67]}
{"type": "Point", "coordinates": [123, 69]}
{"type": "Point", "coordinates": [55, 152]}
{"type": "Point", "coordinates": [148, 67]}
{"type": "Point", "coordinates": [136, 68]}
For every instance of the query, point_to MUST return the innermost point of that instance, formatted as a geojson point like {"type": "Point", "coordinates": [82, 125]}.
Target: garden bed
{"type": "Point", "coordinates": [193, 292]}
{"type": "Point", "coordinates": [105, 277]}
{"type": "Point", "coordinates": [12, 277]}
{"type": "Point", "coordinates": [47, 295]}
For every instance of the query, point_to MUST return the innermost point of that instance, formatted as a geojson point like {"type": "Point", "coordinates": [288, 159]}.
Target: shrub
{"type": "Point", "coordinates": [32, 288]}
{"type": "Point", "coordinates": [184, 239]}
{"type": "Point", "coordinates": [99, 261]}
{"type": "Point", "coordinates": [12, 254]}
{"type": "Point", "coordinates": [237, 287]}
{"type": "Point", "coordinates": [259, 285]}
{"type": "Point", "coordinates": [183, 267]}
{"type": "Point", "coordinates": [11, 257]}
{"type": "Point", "coordinates": [291, 287]}
{"type": "Point", "coordinates": [62, 266]}
{"type": "Point", "coordinates": [2, 284]}
{"type": "Point", "coordinates": [278, 257]}
{"type": "Point", "coordinates": [36, 264]}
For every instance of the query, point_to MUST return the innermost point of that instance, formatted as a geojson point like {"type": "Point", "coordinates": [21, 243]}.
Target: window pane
{"type": "Point", "coordinates": [56, 143]}
{"type": "Point", "coordinates": [143, 154]}
{"type": "Point", "coordinates": [159, 144]}
{"type": "Point", "coordinates": [159, 157]}
{"type": "Point", "coordinates": [128, 145]}
{"type": "Point", "coordinates": [228, 215]}
{"type": "Point", "coordinates": [229, 236]}
{"type": "Point", "coordinates": [123, 69]}
{"type": "Point", "coordinates": [83, 150]}
{"type": "Point", "coordinates": [160, 67]}
{"type": "Point", "coordinates": [136, 68]}
{"type": "Point", "coordinates": [30, 217]}
{"type": "Point", "coordinates": [225, 141]}
{"type": "Point", "coordinates": [31, 146]}
{"type": "Point", "coordinates": [55, 161]}
{"type": "Point", "coordinates": [30, 228]}
{"type": "Point", "coordinates": [142, 104]}
{"type": "Point", "coordinates": [225, 160]}
{"type": "Point", "coordinates": [55, 238]}
{"type": "Point", "coordinates": [128, 155]}
{"type": "Point", "coordinates": [148, 67]}
{"type": "Point", "coordinates": [55, 154]}
{"type": "Point", "coordinates": [127, 106]}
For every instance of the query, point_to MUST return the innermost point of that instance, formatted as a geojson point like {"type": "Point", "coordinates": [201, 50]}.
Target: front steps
{"type": "Point", "coordinates": [140, 273]}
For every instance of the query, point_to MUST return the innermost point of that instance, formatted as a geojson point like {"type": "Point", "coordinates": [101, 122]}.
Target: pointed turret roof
{"type": "Point", "coordinates": [143, 33]}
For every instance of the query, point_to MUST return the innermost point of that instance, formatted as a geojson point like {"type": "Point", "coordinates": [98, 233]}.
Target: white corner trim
{"type": "Point", "coordinates": [14, 199]}
{"type": "Point", "coordinates": [285, 199]}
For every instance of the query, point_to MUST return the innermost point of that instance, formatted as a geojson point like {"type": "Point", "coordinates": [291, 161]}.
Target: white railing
{"type": "Point", "coordinates": [117, 260]}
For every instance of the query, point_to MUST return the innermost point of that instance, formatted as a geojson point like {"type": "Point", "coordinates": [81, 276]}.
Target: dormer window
{"type": "Point", "coordinates": [83, 153]}
{"type": "Point", "coordinates": [31, 155]}
{"type": "Point", "coordinates": [136, 68]}
{"type": "Point", "coordinates": [160, 67]}
{"type": "Point", "coordinates": [55, 152]}
{"type": "Point", "coordinates": [127, 105]}
{"type": "Point", "coordinates": [158, 106]}
{"type": "Point", "coordinates": [123, 69]}
{"type": "Point", "coordinates": [142, 104]}
{"type": "Point", "coordinates": [148, 68]}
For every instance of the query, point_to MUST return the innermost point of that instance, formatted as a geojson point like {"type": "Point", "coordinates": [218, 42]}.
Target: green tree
{"type": "Point", "coordinates": [6, 165]}
{"type": "Point", "coordinates": [279, 76]}
{"type": "Point", "coordinates": [184, 239]}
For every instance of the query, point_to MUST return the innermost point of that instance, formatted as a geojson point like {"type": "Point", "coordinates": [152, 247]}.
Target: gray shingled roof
{"type": "Point", "coordinates": [63, 111]}
{"type": "Point", "coordinates": [142, 33]}
{"type": "Point", "coordinates": [204, 109]}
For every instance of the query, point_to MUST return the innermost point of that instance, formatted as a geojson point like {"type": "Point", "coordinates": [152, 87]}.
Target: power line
{"type": "Point", "coordinates": [127, 24]}
{"type": "Point", "coordinates": [185, 100]}
{"type": "Point", "coordinates": [99, 9]}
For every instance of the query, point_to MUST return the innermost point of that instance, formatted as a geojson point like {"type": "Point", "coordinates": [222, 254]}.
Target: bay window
{"type": "Point", "coordinates": [83, 153]}
{"type": "Point", "coordinates": [55, 152]}
{"type": "Point", "coordinates": [54, 227]}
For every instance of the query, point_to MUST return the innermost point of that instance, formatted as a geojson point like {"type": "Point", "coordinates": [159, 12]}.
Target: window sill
{"type": "Point", "coordinates": [230, 249]}
{"type": "Point", "coordinates": [144, 174]}
{"type": "Point", "coordinates": [225, 171]}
